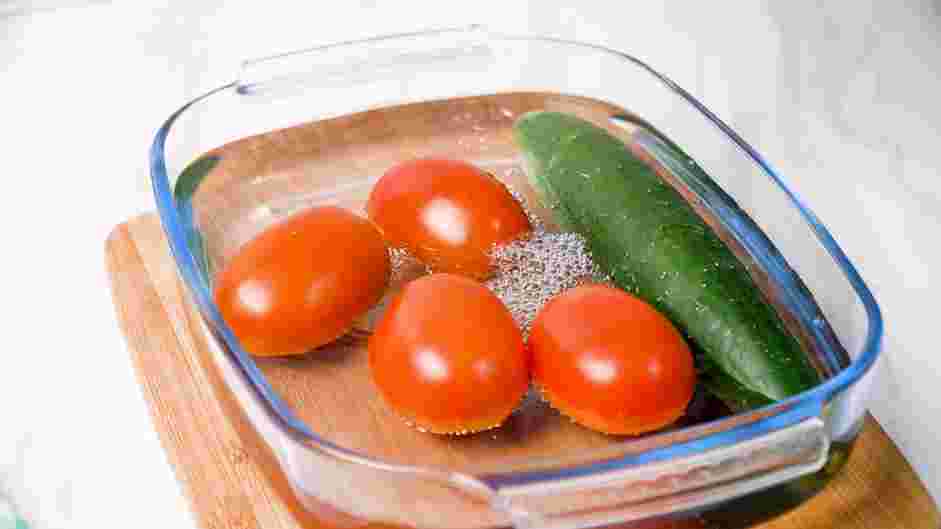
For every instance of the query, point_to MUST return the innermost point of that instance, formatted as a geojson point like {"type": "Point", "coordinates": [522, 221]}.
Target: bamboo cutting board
{"type": "Point", "coordinates": [233, 482]}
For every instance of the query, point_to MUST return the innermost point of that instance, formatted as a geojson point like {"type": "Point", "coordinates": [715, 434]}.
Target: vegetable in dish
{"type": "Point", "coordinates": [448, 357]}
{"type": "Point", "coordinates": [650, 241]}
{"type": "Point", "coordinates": [449, 214]}
{"type": "Point", "coordinates": [610, 361]}
{"type": "Point", "coordinates": [301, 283]}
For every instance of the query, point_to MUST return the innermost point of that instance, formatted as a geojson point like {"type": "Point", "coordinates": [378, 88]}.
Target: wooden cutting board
{"type": "Point", "coordinates": [233, 482]}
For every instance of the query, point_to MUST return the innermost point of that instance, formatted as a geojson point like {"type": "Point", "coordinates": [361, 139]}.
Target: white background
{"type": "Point", "coordinates": [842, 99]}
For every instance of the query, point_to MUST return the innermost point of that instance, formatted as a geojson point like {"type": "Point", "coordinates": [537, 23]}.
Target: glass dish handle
{"type": "Point", "coordinates": [675, 485]}
{"type": "Point", "coordinates": [391, 57]}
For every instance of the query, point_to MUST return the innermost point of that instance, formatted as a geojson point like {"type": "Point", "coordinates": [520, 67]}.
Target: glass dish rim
{"type": "Point", "coordinates": [802, 405]}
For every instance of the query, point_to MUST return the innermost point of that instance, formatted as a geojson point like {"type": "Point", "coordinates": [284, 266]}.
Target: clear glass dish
{"type": "Point", "coordinates": [342, 113]}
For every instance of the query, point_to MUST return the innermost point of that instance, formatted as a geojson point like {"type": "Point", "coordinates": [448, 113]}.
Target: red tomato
{"type": "Point", "coordinates": [447, 213]}
{"type": "Point", "coordinates": [610, 361]}
{"type": "Point", "coordinates": [301, 283]}
{"type": "Point", "coordinates": [448, 356]}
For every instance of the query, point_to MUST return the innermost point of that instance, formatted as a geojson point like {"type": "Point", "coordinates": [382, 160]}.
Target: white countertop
{"type": "Point", "coordinates": [844, 101]}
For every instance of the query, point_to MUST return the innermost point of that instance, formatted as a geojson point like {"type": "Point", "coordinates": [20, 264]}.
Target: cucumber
{"type": "Point", "coordinates": [642, 232]}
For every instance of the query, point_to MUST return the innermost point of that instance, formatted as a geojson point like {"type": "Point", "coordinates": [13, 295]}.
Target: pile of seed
{"type": "Point", "coordinates": [531, 271]}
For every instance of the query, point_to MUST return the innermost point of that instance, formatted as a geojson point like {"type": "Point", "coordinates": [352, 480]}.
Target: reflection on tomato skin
{"type": "Point", "coordinates": [610, 361]}
{"type": "Point", "coordinates": [448, 356]}
{"type": "Point", "coordinates": [447, 213]}
{"type": "Point", "coordinates": [301, 283]}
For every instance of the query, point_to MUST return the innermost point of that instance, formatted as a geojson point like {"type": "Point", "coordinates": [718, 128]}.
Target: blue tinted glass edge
{"type": "Point", "coordinates": [797, 407]}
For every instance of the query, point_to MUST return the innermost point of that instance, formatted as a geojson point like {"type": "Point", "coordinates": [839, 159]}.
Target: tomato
{"type": "Point", "coordinates": [447, 213]}
{"type": "Point", "coordinates": [610, 361]}
{"type": "Point", "coordinates": [448, 357]}
{"type": "Point", "coordinates": [301, 283]}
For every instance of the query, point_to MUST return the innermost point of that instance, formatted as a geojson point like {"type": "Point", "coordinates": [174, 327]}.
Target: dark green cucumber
{"type": "Point", "coordinates": [648, 238]}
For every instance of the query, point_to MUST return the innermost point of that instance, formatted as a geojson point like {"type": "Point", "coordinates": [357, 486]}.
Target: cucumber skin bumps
{"type": "Point", "coordinates": [650, 241]}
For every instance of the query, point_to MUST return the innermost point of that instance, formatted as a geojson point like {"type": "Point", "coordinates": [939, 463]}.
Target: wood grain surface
{"type": "Point", "coordinates": [233, 482]}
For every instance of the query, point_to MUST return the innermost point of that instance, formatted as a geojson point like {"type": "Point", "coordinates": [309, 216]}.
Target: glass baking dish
{"type": "Point", "coordinates": [320, 125]}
